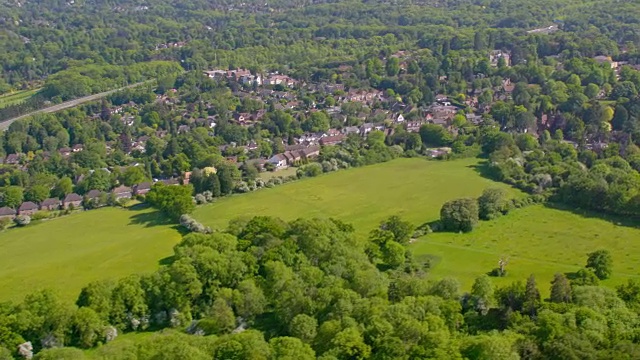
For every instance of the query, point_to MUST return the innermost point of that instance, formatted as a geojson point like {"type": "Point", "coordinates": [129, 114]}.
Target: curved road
{"type": "Point", "coordinates": [68, 104]}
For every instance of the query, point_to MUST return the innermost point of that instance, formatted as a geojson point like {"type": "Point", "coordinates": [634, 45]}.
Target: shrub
{"type": "Point", "coordinates": [22, 220]}
{"type": "Point", "coordinates": [193, 225]}
{"type": "Point", "coordinates": [200, 199]}
{"type": "Point", "coordinates": [4, 223]}
{"type": "Point", "coordinates": [40, 215]}
{"type": "Point", "coordinates": [492, 203]}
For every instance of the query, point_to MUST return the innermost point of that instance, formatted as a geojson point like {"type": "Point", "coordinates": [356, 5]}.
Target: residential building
{"type": "Point", "coordinates": [28, 208]}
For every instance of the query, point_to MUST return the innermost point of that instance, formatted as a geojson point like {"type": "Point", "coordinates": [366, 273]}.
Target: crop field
{"type": "Point", "coordinates": [68, 252]}
{"type": "Point", "coordinates": [16, 97]}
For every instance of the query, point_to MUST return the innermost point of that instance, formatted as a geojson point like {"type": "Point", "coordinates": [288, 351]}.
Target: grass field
{"type": "Point", "coordinates": [412, 188]}
{"type": "Point", "coordinates": [16, 97]}
{"type": "Point", "coordinates": [66, 253]}
{"type": "Point", "coordinates": [536, 240]}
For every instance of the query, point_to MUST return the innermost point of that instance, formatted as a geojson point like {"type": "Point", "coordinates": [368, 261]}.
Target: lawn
{"type": "Point", "coordinates": [266, 175]}
{"type": "Point", "coordinates": [536, 240]}
{"type": "Point", "coordinates": [68, 252]}
{"type": "Point", "coordinates": [412, 188]}
{"type": "Point", "coordinates": [16, 97]}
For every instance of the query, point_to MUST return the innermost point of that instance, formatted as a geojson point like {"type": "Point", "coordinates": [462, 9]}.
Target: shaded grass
{"type": "Point", "coordinates": [537, 240]}
{"type": "Point", "coordinates": [67, 253]}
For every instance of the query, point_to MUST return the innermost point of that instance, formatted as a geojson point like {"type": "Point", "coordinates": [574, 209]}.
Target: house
{"type": "Point", "coordinates": [292, 156]}
{"type": "Point", "coordinates": [65, 151]}
{"type": "Point", "coordinates": [122, 192]}
{"type": "Point", "coordinates": [170, 182]}
{"type": "Point", "coordinates": [28, 208]}
{"type": "Point", "coordinates": [72, 200]}
{"type": "Point", "coordinates": [310, 152]}
{"type": "Point", "coordinates": [142, 188]}
{"type": "Point", "coordinates": [77, 148]}
{"type": "Point", "coordinates": [50, 204]}
{"type": "Point", "coordinates": [496, 55]}
{"type": "Point", "coordinates": [279, 161]}
{"type": "Point", "coordinates": [7, 213]}
{"type": "Point", "coordinates": [331, 140]}
{"type": "Point", "coordinates": [438, 152]}
{"type": "Point", "coordinates": [12, 159]}
{"type": "Point", "coordinates": [93, 195]}
{"type": "Point", "coordinates": [351, 130]}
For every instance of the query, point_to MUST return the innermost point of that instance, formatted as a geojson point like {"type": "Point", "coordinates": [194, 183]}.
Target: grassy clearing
{"type": "Point", "coordinates": [284, 173]}
{"type": "Point", "coordinates": [537, 240]}
{"type": "Point", "coordinates": [68, 252]}
{"type": "Point", "coordinates": [16, 97]}
{"type": "Point", "coordinates": [412, 188]}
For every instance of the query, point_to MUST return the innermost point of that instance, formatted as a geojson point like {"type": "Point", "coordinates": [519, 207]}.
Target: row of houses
{"type": "Point", "coordinates": [74, 200]}
{"type": "Point", "coordinates": [289, 158]}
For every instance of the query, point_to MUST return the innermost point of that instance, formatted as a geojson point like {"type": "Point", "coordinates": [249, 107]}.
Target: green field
{"type": "Point", "coordinates": [536, 240]}
{"type": "Point", "coordinates": [412, 188]}
{"type": "Point", "coordinates": [266, 175]}
{"type": "Point", "coordinates": [66, 253]}
{"type": "Point", "coordinates": [16, 97]}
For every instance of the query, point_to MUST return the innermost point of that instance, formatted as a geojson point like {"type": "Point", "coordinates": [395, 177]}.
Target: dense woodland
{"type": "Point", "coordinates": [560, 120]}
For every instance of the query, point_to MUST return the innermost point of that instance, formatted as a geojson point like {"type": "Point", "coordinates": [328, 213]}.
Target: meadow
{"type": "Point", "coordinates": [536, 240]}
{"type": "Point", "coordinates": [16, 97]}
{"type": "Point", "coordinates": [66, 253]}
{"type": "Point", "coordinates": [412, 188]}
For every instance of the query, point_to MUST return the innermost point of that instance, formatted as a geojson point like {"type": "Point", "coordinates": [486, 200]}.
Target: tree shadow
{"type": "Point", "coordinates": [150, 219]}
{"type": "Point", "coordinates": [167, 260]}
{"type": "Point", "coordinates": [484, 170]}
{"type": "Point", "coordinates": [627, 221]}
{"type": "Point", "coordinates": [571, 275]}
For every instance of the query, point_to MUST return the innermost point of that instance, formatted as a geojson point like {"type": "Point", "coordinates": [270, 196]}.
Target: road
{"type": "Point", "coordinates": [68, 104]}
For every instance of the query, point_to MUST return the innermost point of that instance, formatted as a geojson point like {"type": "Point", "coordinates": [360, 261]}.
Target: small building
{"type": "Point", "coordinates": [122, 192]}
{"type": "Point", "coordinates": [50, 204]}
{"type": "Point", "coordinates": [142, 188]}
{"type": "Point", "coordinates": [279, 161]}
{"type": "Point", "coordinates": [93, 195]}
{"type": "Point", "coordinates": [28, 208]}
{"type": "Point", "coordinates": [12, 159]}
{"type": "Point", "coordinates": [77, 148]}
{"type": "Point", "coordinates": [72, 200]}
{"type": "Point", "coordinates": [331, 140]}
{"type": "Point", "coordinates": [7, 213]}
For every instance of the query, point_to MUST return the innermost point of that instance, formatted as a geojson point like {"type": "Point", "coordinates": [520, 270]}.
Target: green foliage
{"type": "Point", "coordinates": [459, 215]}
{"type": "Point", "coordinates": [12, 196]}
{"type": "Point", "coordinates": [492, 203]}
{"type": "Point", "coordinates": [601, 263]}
{"type": "Point", "coordinates": [172, 200]}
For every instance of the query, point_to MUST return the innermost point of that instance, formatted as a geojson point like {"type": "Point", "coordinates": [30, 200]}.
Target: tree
{"type": "Point", "coordinates": [37, 193]}
{"type": "Point", "coordinates": [435, 135]}
{"type": "Point", "coordinates": [459, 215]}
{"type": "Point", "coordinates": [226, 180]}
{"type": "Point", "coordinates": [288, 348]}
{"type": "Point", "coordinates": [133, 175]}
{"type": "Point", "coordinates": [601, 263]}
{"type": "Point", "coordinates": [63, 187]}
{"type": "Point", "coordinates": [12, 196]}
{"type": "Point", "coordinates": [401, 230]}
{"type": "Point", "coordinates": [86, 328]}
{"type": "Point", "coordinates": [531, 296]}
{"type": "Point", "coordinates": [393, 66]}
{"type": "Point", "coordinates": [482, 294]}
{"type": "Point", "coordinates": [172, 200]}
{"type": "Point", "coordinates": [585, 277]}
{"type": "Point", "coordinates": [304, 327]}
{"type": "Point", "coordinates": [492, 203]}
{"type": "Point", "coordinates": [560, 289]}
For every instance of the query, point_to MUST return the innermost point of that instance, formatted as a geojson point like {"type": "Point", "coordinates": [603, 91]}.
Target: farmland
{"type": "Point", "coordinates": [16, 97]}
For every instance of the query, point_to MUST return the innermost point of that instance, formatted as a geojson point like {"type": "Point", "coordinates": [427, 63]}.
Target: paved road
{"type": "Point", "coordinates": [65, 105]}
